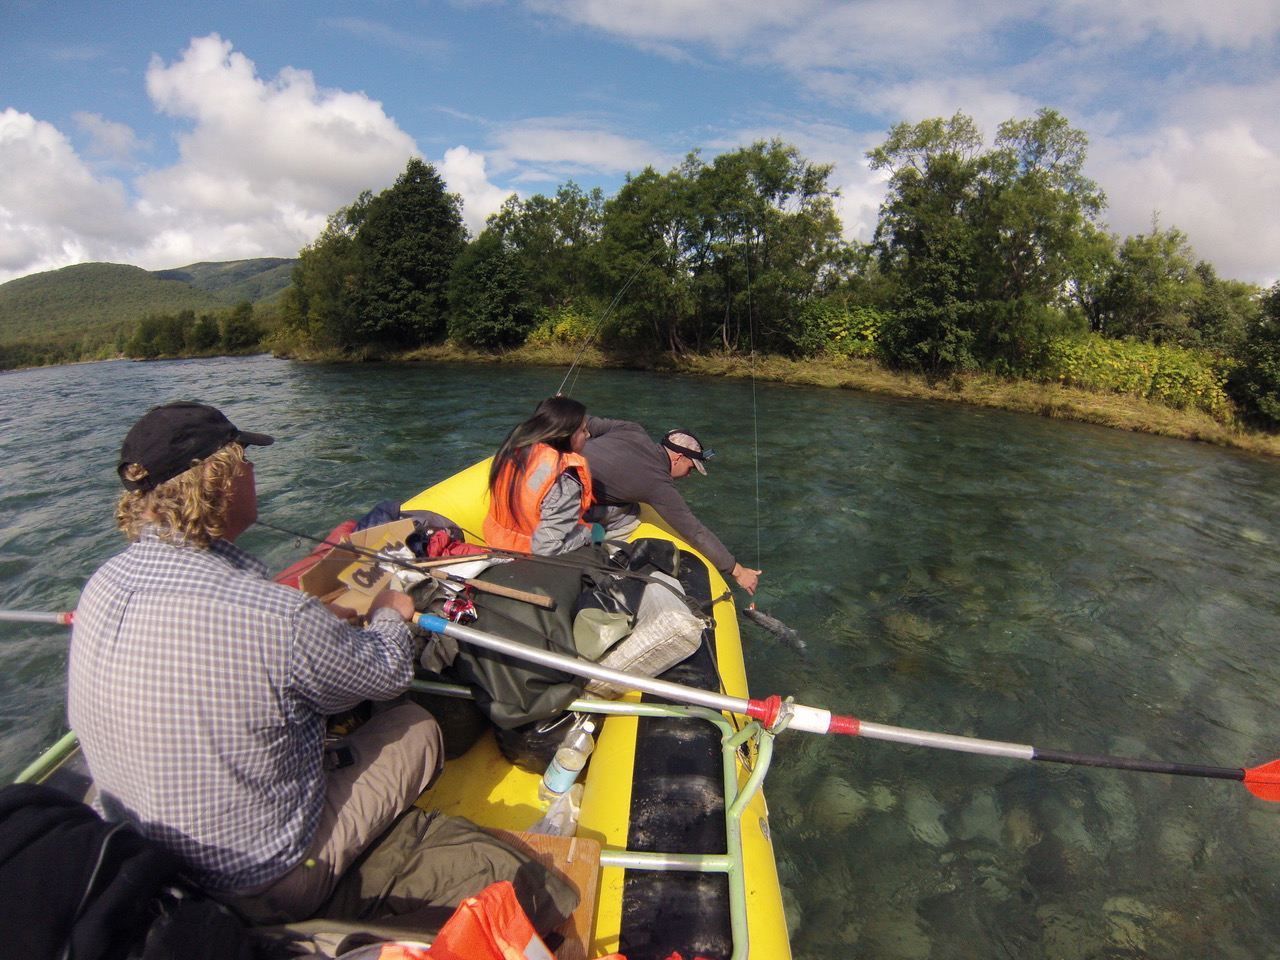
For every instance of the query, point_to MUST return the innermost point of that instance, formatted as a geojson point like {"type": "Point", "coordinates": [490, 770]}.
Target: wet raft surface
{"type": "Point", "coordinates": [677, 806]}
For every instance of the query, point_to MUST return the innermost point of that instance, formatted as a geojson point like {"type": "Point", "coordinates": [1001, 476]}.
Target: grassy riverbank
{"type": "Point", "coordinates": [1042, 399]}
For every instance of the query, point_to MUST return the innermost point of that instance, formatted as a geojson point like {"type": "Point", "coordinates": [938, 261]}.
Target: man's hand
{"type": "Point", "coordinates": [746, 577]}
{"type": "Point", "coordinates": [401, 603]}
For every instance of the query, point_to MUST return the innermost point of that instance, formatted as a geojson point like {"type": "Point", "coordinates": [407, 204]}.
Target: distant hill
{"type": "Point", "coordinates": [259, 281]}
{"type": "Point", "coordinates": [93, 300]}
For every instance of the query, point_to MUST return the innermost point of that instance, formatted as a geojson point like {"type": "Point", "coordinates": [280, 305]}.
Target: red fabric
{"type": "Point", "coordinates": [403, 951]}
{"type": "Point", "coordinates": [489, 926]}
{"type": "Point", "coordinates": [291, 575]}
{"type": "Point", "coordinates": [442, 545]}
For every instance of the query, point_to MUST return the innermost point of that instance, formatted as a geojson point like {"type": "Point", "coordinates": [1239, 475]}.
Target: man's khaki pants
{"type": "Point", "coordinates": [398, 753]}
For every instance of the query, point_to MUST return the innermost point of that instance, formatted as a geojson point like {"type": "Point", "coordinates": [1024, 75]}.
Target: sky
{"type": "Point", "coordinates": [162, 134]}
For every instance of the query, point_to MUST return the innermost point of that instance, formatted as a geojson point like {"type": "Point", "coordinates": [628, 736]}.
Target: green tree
{"type": "Point", "coordinates": [553, 239]}
{"type": "Point", "coordinates": [983, 245]}
{"type": "Point", "coordinates": [1152, 288]}
{"type": "Point", "coordinates": [709, 254]}
{"type": "Point", "coordinates": [204, 334]}
{"type": "Point", "coordinates": [489, 301]}
{"type": "Point", "coordinates": [321, 304]}
{"type": "Point", "coordinates": [407, 242]}
{"type": "Point", "coordinates": [240, 331]}
{"type": "Point", "coordinates": [1254, 382]}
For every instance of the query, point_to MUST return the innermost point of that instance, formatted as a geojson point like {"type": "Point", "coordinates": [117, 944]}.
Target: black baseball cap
{"type": "Point", "coordinates": [172, 438]}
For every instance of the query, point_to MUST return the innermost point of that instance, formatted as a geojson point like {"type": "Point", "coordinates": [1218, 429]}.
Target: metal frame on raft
{"type": "Point", "coordinates": [736, 799]}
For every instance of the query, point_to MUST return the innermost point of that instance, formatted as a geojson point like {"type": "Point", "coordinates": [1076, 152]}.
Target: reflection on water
{"type": "Point", "coordinates": [950, 569]}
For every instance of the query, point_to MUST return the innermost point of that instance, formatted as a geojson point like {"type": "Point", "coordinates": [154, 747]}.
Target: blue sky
{"type": "Point", "coordinates": [163, 134]}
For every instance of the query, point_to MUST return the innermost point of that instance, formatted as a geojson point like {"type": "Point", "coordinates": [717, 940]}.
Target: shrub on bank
{"type": "Point", "coordinates": [1164, 374]}
{"type": "Point", "coordinates": [567, 323]}
{"type": "Point", "coordinates": [832, 328]}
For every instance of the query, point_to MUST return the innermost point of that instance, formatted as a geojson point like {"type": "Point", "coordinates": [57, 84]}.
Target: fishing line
{"type": "Point", "coordinates": [613, 304]}
{"type": "Point", "coordinates": [755, 409]}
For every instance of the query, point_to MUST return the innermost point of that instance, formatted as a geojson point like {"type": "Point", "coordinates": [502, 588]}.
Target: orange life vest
{"type": "Point", "coordinates": [508, 530]}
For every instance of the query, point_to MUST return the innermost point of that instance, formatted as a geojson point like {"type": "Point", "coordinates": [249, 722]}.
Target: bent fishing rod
{"type": "Point", "coordinates": [777, 714]}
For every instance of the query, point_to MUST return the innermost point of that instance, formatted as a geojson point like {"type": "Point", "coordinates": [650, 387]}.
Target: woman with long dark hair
{"type": "Point", "coordinates": [539, 484]}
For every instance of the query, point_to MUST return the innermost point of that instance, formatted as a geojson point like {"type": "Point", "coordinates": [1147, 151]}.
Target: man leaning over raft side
{"type": "Point", "coordinates": [199, 689]}
{"type": "Point", "coordinates": [628, 468]}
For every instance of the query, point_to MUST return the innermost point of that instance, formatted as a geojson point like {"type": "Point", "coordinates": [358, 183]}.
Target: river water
{"type": "Point", "coordinates": [950, 569]}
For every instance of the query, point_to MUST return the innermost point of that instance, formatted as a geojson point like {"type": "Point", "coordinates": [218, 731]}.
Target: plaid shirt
{"type": "Point", "coordinates": [199, 690]}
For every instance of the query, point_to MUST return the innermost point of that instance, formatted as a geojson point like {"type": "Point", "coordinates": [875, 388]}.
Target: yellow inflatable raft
{"type": "Point", "coordinates": [656, 780]}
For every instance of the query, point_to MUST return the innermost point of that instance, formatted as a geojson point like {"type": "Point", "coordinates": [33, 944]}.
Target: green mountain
{"type": "Point", "coordinates": [259, 281]}
{"type": "Point", "coordinates": [92, 301]}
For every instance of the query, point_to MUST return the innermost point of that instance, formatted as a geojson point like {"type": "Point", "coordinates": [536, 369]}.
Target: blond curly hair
{"type": "Point", "coordinates": [191, 507]}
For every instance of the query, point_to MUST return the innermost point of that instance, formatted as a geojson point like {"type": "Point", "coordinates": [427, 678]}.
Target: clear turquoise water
{"type": "Point", "coordinates": [950, 569]}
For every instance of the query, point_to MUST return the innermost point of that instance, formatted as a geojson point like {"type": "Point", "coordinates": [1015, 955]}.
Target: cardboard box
{"type": "Point", "coordinates": [344, 577]}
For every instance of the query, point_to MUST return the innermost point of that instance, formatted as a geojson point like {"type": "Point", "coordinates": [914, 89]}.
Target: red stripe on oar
{"type": "Point", "coordinates": [1264, 781]}
{"type": "Point", "coordinates": [766, 711]}
{"type": "Point", "coordinates": [849, 725]}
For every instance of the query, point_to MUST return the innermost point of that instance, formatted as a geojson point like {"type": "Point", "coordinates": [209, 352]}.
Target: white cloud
{"type": "Point", "coordinates": [108, 140]}
{"type": "Point", "coordinates": [53, 210]}
{"type": "Point", "coordinates": [718, 22]}
{"type": "Point", "coordinates": [463, 171]}
{"type": "Point", "coordinates": [262, 149]}
{"type": "Point", "coordinates": [1217, 183]}
{"type": "Point", "coordinates": [262, 165]}
{"type": "Point", "coordinates": [559, 148]}
{"type": "Point", "coordinates": [1235, 25]}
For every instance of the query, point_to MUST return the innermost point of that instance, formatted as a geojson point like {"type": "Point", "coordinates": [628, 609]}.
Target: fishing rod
{"type": "Point", "coordinates": [497, 589]}
{"type": "Point", "coordinates": [775, 713]}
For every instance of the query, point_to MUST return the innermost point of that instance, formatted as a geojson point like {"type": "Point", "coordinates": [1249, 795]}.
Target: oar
{"type": "Point", "coordinates": [38, 616]}
{"type": "Point", "coordinates": [497, 589]}
{"type": "Point", "coordinates": [1263, 781]}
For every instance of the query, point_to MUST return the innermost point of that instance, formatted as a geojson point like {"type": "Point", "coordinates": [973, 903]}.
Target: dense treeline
{"type": "Point", "coordinates": [986, 258]}
{"type": "Point", "coordinates": [184, 334]}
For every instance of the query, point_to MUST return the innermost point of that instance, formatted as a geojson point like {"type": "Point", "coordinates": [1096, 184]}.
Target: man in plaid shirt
{"type": "Point", "coordinates": [199, 689]}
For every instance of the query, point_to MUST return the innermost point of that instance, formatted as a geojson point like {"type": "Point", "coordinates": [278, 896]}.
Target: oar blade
{"type": "Point", "coordinates": [1264, 781]}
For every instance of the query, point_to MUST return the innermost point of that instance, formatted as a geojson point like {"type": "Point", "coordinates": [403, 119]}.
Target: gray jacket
{"type": "Point", "coordinates": [628, 467]}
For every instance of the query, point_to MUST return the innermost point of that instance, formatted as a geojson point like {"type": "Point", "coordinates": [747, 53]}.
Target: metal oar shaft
{"type": "Point", "coordinates": [945, 741]}
{"type": "Point", "coordinates": [1020, 751]}
{"type": "Point", "coordinates": [37, 616]}
{"type": "Point", "coordinates": [584, 668]}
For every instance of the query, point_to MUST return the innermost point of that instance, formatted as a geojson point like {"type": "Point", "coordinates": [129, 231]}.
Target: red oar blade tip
{"type": "Point", "coordinates": [1264, 781]}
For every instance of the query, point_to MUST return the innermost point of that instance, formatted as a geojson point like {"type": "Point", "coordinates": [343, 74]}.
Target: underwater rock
{"type": "Point", "coordinates": [882, 798]}
{"type": "Point", "coordinates": [906, 628]}
{"type": "Point", "coordinates": [836, 805]}
{"type": "Point", "coordinates": [980, 819]}
{"type": "Point", "coordinates": [924, 816]}
{"type": "Point", "coordinates": [1019, 830]}
{"type": "Point", "coordinates": [1130, 922]}
{"type": "Point", "coordinates": [1066, 935]}
{"type": "Point", "coordinates": [897, 933]}
{"type": "Point", "coordinates": [1117, 803]}
{"type": "Point", "coordinates": [1179, 842]}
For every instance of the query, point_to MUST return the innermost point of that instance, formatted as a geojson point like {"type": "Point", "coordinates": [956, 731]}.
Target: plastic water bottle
{"type": "Point", "coordinates": [571, 757]}
{"type": "Point", "coordinates": [561, 818]}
